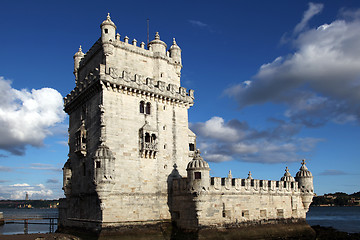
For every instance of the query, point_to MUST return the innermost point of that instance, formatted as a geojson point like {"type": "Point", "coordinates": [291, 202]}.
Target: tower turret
{"type": "Point", "coordinates": [306, 186]}
{"type": "Point", "coordinates": [175, 52]}
{"type": "Point", "coordinates": [157, 46]}
{"type": "Point", "coordinates": [198, 173]}
{"type": "Point", "coordinates": [108, 29]}
{"type": "Point", "coordinates": [287, 176]}
{"type": "Point", "coordinates": [77, 58]}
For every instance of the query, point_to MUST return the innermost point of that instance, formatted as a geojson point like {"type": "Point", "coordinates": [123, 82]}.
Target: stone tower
{"type": "Point", "coordinates": [128, 133]}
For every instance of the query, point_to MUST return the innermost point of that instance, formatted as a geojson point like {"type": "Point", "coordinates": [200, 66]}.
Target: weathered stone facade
{"type": "Point", "coordinates": [130, 148]}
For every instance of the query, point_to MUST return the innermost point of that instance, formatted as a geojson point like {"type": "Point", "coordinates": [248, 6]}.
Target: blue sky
{"type": "Point", "coordinates": [274, 81]}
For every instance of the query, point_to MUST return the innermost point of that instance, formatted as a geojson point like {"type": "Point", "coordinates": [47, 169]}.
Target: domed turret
{"type": "Point", "coordinates": [108, 29]}
{"type": "Point", "coordinates": [104, 169]}
{"type": "Point", "coordinates": [175, 52]}
{"type": "Point", "coordinates": [287, 176]}
{"type": "Point", "coordinates": [306, 186]}
{"type": "Point", "coordinates": [198, 173]}
{"type": "Point", "coordinates": [157, 46]}
{"type": "Point", "coordinates": [77, 58]}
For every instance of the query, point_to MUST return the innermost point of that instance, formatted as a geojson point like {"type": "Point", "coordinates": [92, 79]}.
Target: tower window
{"type": "Point", "coordinates": [197, 175]}
{"type": "Point", "coordinates": [147, 109]}
{"type": "Point", "coordinates": [142, 107]}
{"type": "Point", "coordinates": [147, 137]}
{"type": "Point", "coordinates": [106, 30]}
{"type": "Point", "coordinates": [98, 164]}
{"type": "Point", "coordinates": [191, 147]}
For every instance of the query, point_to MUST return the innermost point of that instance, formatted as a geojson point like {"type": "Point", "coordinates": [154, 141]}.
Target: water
{"type": "Point", "coordinates": [18, 227]}
{"type": "Point", "coordinates": [346, 219]}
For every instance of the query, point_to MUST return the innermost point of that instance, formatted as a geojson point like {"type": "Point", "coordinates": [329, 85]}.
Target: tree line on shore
{"type": "Point", "coordinates": [337, 199]}
{"type": "Point", "coordinates": [29, 203]}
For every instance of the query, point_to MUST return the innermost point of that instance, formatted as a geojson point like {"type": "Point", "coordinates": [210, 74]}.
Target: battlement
{"type": "Point", "coordinates": [241, 186]}
{"type": "Point", "coordinates": [130, 47]}
{"type": "Point", "coordinates": [134, 83]}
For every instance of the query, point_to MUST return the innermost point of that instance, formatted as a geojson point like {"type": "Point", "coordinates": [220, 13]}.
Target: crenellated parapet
{"type": "Point", "coordinates": [220, 185]}
{"type": "Point", "coordinates": [126, 82]}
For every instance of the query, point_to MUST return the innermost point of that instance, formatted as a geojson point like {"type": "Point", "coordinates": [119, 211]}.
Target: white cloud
{"type": "Point", "coordinates": [20, 185]}
{"type": "Point", "coordinates": [314, 8]}
{"type": "Point", "coordinates": [27, 116]}
{"type": "Point", "coordinates": [319, 82]}
{"type": "Point", "coordinates": [198, 23]}
{"type": "Point", "coordinates": [18, 191]}
{"type": "Point", "coordinates": [5, 169]}
{"type": "Point", "coordinates": [235, 140]}
{"type": "Point", "coordinates": [215, 128]}
{"type": "Point", "coordinates": [41, 166]}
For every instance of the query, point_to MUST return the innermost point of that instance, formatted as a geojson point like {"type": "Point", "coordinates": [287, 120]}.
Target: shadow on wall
{"type": "Point", "coordinates": [173, 175]}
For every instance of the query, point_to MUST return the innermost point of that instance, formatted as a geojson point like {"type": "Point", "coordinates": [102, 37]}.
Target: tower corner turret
{"type": "Point", "coordinates": [77, 58]}
{"type": "Point", "coordinates": [306, 186]}
{"type": "Point", "coordinates": [157, 46]}
{"type": "Point", "coordinates": [175, 52]}
{"type": "Point", "coordinates": [198, 174]}
{"type": "Point", "coordinates": [108, 30]}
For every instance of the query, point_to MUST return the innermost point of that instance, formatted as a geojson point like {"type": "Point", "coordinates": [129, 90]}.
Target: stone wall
{"type": "Point", "coordinates": [230, 201]}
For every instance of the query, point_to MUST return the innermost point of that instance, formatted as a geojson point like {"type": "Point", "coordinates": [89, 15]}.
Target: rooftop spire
{"type": "Point", "coordinates": [229, 175]}
{"type": "Point", "coordinates": [157, 36]}
{"type": "Point", "coordinates": [249, 175]}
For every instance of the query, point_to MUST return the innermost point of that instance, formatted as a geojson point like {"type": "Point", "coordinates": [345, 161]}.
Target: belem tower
{"type": "Point", "coordinates": [133, 159]}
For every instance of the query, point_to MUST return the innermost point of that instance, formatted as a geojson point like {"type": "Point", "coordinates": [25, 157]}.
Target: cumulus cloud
{"type": "Point", "coordinates": [319, 82]}
{"type": "Point", "coordinates": [27, 116]}
{"type": "Point", "coordinates": [18, 191]}
{"type": "Point", "coordinates": [235, 140]}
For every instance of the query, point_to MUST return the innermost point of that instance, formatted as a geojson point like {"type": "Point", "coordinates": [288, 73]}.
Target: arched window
{"type": "Point", "coordinates": [147, 110]}
{"type": "Point", "coordinates": [142, 106]}
{"type": "Point", "coordinates": [153, 138]}
{"type": "Point", "coordinates": [147, 137]}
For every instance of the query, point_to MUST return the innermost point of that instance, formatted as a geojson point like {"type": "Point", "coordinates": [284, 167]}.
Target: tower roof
{"type": "Point", "coordinates": [103, 152]}
{"type": "Point", "coordinates": [79, 53]}
{"type": "Point", "coordinates": [303, 172]}
{"type": "Point", "coordinates": [108, 21]}
{"type": "Point", "coordinates": [174, 45]}
{"type": "Point", "coordinates": [157, 40]}
{"type": "Point", "coordinates": [198, 163]}
{"type": "Point", "coordinates": [287, 176]}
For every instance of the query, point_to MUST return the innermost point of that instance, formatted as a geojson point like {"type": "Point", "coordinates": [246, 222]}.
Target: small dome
{"type": "Point", "coordinates": [287, 176]}
{"type": "Point", "coordinates": [157, 41]}
{"type": "Point", "coordinates": [198, 163]}
{"type": "Point", "coordinates": [303, 172]}
{"type": "Point", "coordinates": [79, 53]}
{"type": "Point", "coordinates": [108, 22]}
{"type": "Point", "coordinates": [174, 46]}
{"type": "Point", "coordinates": [103, 152]}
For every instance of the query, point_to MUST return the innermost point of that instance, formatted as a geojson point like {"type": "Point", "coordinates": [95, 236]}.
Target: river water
{"type": "Point", "coordinates": [345, 219]}
{"type": "Point", "coordinates": [34, 226]}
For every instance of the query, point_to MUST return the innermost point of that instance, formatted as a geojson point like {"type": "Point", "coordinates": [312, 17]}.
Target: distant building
{"type": "Point", "coordinates": [26, 196]}
{"type": "Point", "coordinates": [133, 159]}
